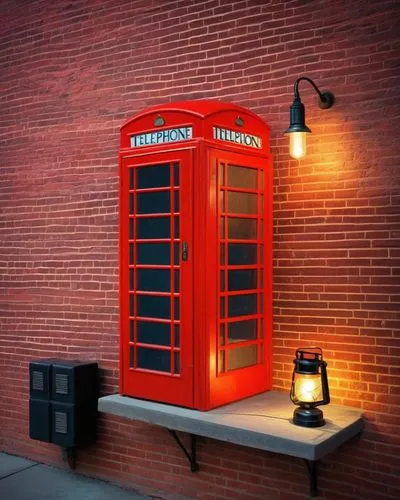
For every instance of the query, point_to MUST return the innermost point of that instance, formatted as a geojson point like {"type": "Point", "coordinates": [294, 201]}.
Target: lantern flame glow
{"type": "Point", "coordinates": [308, 388]}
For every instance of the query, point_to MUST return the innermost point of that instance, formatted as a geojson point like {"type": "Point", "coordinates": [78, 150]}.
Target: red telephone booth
{"type": "Point", "coordinates": [195, 250]}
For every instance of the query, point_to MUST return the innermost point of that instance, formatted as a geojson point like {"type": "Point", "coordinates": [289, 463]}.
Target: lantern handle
{"type": "Point", "coordinates": [309, 350]}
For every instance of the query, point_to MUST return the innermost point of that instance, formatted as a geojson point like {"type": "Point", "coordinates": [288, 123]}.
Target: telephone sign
{"type": "Point", "coordinates": [161, 136]}
{"type": "Point", "coordinates": [237, 137]}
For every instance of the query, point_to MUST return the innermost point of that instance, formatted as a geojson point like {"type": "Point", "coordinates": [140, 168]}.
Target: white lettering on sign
{"type": "Point", "coordinates": [161, 136]}
{"type": "Point", "coordinates": [224, 134]}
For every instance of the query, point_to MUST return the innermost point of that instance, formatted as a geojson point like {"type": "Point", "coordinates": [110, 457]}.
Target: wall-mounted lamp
{"type": "Point", "coordinates": [298, 128]}
{"type": "Point", "coordinates": [309, 387]}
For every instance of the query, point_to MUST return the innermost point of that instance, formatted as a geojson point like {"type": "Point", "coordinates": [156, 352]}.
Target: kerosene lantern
{"type": "Point", "coordinates": [309, 387]}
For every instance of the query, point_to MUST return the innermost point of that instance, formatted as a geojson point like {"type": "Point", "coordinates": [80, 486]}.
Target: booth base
{"type": "Point", "coordinates": [264, 422]}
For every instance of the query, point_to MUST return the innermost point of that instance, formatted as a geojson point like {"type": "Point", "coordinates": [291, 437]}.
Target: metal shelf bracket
{"type": "Point", "coordinates": [194, 466]}
{"type": "Point", "coordinates": [311, 466]}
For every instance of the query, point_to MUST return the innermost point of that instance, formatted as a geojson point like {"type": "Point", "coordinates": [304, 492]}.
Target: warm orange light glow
{"type": "Point", "coordinates": [308, 388]}
{"type": "Point", "coordinates": [298, 144]}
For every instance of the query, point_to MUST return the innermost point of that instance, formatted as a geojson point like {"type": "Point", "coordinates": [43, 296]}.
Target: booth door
{"type": "Point", "coordinates": [243, 340]}
{"type": "Point", "coordinates": [156, 277]}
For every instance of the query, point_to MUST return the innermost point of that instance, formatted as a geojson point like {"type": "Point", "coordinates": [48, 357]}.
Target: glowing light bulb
{"type": "Point", "coordinates": [298, 144]}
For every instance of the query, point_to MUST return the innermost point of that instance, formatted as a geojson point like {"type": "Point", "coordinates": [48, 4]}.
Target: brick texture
{"type": "Point", "coordinates": [71, 73]}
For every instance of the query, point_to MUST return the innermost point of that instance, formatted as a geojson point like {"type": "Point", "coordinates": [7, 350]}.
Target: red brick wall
{"type": "Point", "coordinates": [71, 73]}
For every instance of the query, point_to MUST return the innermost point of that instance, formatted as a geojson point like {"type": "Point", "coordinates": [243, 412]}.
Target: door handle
{"type": "Point", "coordinates": [185, 250]}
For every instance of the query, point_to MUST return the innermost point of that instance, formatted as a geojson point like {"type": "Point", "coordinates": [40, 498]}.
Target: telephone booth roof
{"type": "Point", "coordinates": [201, 115]}
{"type": "Point", "coordinates": [202, 109]}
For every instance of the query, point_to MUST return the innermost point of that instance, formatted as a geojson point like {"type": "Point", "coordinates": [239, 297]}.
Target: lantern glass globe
{"type": "Point", "coordinates": [308, 388]}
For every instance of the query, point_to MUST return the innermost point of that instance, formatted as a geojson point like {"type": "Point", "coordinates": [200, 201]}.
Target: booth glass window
{"type": "Point", "coordinates": [154, 267]}
{"type": "Point", "coordinates": [241, 220]}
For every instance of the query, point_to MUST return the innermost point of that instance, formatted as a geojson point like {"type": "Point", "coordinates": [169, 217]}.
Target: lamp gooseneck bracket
{"type": "Point", "coordinates": [298, 129]}
{"type": "Point", "coordinates": [326, 98]}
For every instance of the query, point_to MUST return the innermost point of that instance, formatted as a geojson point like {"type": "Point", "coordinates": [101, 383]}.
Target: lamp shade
{"type": "Point", "coordinates": [297, 130]}
{"type": "Point", "coordinates": [297, 117]}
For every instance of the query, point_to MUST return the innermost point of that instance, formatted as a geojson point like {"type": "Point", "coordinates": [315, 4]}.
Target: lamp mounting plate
{"type": "Point", "coordinates": [326, 100]}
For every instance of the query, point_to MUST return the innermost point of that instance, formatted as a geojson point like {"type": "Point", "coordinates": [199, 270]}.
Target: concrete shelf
{"type": "Point", "coordinates": [263, 422]}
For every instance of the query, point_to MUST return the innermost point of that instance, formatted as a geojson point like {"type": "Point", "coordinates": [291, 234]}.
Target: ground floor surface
{"type": "Point", "coordinates": [22, 479]}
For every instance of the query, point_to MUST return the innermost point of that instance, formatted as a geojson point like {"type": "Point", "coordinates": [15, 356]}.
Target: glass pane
{"type": "Point", "coordinates": [153, 228]}
{"type": "Point", "coordinates": [176, 309]}
{"type": "Point", "coordinates": [221, 201]}
{"type": "Point", "coordinates": [153, 253]}
{"type": "Point", "coordinates": [154, 203]}
{"type": "Point", "coordinates": [222, 307]}
{"type": "Point", "coordinates": [242, 177]}
{"type": "Point", "coordinates": [153, 307]}
{"type": "Point", "coordinates": [153, 359]}
{"type": "Point", "coordinates": [131, 253]}
{"type": "Point", "coordinates": [131, 179]}
{"type": "Point", "coordinates": [154, 280]}
{"type": "Point", "coordinates": [242, 356]}
{"type": "Point", "coordinates": [177, 336]}
{"type": "Point", "coordinates": [176, 281]}
{"type": "Point", "coordinates": [261, 180]}
{"type": "Point", "coordinates": [176, 174]}
{"type": "Point", "coordinates": [261, 278]}
{"type": "Point", "coordinates": [242, 254]}
{"type": "Point", "coordinates": [222, 334]}
{"type": "Point", "coordinates": [221, 170]}
{"type": "Point", "coordinates": [177, 368]}
{"type": "Point", "coordinates": [222, 228]}
{"type": "Point", "coordinates": [242, 305]}
{"type": "Point", "coordinates": [176, 201]}
{"type": "Point", "coordinates": [222, 280]}
{"type": "Point", "coordinates": [261, 229]}
{"type": "Point", "coordinates": [242, 203]}
{"type": "Point", "coordinates": [153, 333]}
{"type": "Point", "coordinates": [262, 205]}
{"type": "Point", "coordinates": [222, 254]}
{"type": "Point", "coordinates": [245, 279]}
{"type": "Point", "coordinates": [261, 303]}
{"type": "Point", "coordinates": [132, 305]}
{"type": "Point", "coordinates": [149, 177]}
{"type": "Point", "coordinates": [131, 357]}
{"type": "Point", "coordinates": [242, 229]}
{"type": "Point", "coordinates": [221, 364]}
{"type": "Point", "coordinates": [131, 204]}
{"type": "Point", "coordinates": [261, 328]}
{"type": "Point", "coordinates": [131, 226]}
{"type": "Point", "coordinates": [242, 330]}
{"type": "Point", "coordinates": [176, 253]}
{"type": "Point", "coordinates": [131, 280]}
{"type": "Point", "coordinates": [131, 331]}
{"type": "Point", "coordinates": [176, 227]}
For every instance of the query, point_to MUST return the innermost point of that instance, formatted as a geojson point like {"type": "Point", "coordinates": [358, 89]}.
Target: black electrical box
{"type": "Point", "coordinates": [63, 402]}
